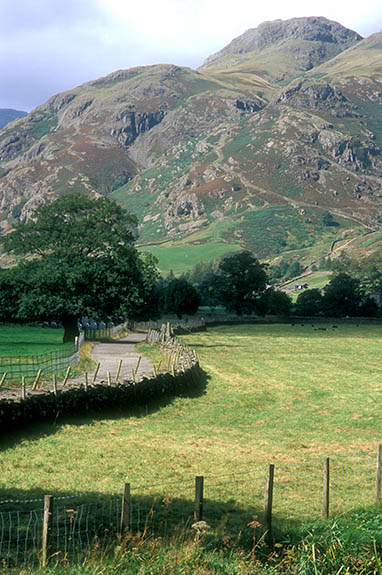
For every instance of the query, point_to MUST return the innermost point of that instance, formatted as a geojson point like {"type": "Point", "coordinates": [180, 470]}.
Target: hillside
{"type": "Point", "coordinates": [252, 150]}
{"type": "Point", "coordinates": [8, 115]}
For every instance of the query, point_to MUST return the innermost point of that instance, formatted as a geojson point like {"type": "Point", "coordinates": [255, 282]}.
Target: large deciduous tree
{"type": "Point", "coordinates": [81, 260]}
{"type": "Point", "coordinates": [180, 297]}
{"type": "Point", "coordinates": [342, 296]}
{"type": "Point", "coordinates": [239, 281]}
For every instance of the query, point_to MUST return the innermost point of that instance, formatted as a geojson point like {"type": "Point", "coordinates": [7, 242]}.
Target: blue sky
{"type": "Point", "coordinates": [47, 46]}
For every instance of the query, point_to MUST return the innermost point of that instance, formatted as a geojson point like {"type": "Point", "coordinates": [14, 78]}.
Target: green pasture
{"type": "Point", "coordinates": [24, 341]}
{"type": "Point", "coordinates": [182, 258]}
{"type": "Point", "coordinates": [315, 280]}
{"type": "Point", "coordinates": [274, 393]}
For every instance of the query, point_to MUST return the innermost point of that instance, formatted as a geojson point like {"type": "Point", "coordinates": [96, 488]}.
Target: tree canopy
{"type": "Point", "coordinates": [82, 260]}
{"type": "Point", "coordinates": [239, 281]}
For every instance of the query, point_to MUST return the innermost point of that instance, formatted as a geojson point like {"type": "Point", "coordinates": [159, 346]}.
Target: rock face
{"type": "Point", "coordinates": [311, 39]}
{"type": "Point", "coordinates": [275, 130]}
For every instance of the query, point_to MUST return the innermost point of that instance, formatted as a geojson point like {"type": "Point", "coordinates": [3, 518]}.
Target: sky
{"type": "Point", "coordinates": [49, 46]}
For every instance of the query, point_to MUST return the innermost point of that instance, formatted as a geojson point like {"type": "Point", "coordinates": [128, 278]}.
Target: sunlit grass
{"type": "Point", "coordinates": [275, 393]}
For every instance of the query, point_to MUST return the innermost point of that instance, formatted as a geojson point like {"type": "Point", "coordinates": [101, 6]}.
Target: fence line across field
{"type": "Point", "coordinates": [65, 526]}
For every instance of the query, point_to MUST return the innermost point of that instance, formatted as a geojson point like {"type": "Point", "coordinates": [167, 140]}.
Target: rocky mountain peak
{"type": "Point", "coordinates": [284, 32]}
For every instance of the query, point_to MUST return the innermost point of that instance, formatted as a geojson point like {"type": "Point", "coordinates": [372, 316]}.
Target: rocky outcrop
{"type": "Point", "coordinates": [128, 125]}
{"type": "Point", "coordinates": [283, 33]}
{"type": "Point", "coordinates": [185, 210]}
{"type": "Point", "coordinates": [351, 152]}
{"type": "Point", "coordinates": [313, 96]}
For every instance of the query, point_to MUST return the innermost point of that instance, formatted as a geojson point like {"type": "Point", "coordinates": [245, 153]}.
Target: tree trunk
{"type": "Point", "coordinates": [71, 331]}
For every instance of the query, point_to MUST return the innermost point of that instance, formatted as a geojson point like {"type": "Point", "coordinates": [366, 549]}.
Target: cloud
{"type": "Point", "coordinates": [47, 46]}
{"type": "Point", "coordinates": [18, 16]}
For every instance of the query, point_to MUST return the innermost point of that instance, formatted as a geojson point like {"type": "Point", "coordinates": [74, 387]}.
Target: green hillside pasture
{"type": "Point", "coordinates": [279, 229]}
{"type": "Point", "coordinates": [25, 341]}
{"type": "Point", "coordinates": [183, 257]}
{"type": "Point", "coordinates": [290, 395]}
{"type": "Point", "coordinates": [315, 280]}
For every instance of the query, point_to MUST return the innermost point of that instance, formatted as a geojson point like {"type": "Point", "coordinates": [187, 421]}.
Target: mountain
{"type": "Point", "coordinates": [8, 115]}
{"type": "Point", "coordinates": [274, 144]}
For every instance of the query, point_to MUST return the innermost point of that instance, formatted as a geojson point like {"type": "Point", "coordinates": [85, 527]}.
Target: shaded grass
{"type": "Point", "coordinates": [349, 545]}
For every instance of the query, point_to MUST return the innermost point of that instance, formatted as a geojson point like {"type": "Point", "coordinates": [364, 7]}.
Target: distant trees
{"type": "Point", "coordinates": [275, 302]}
{"type": "Point", "coordinates": [179, 296]}
{"type": "Point", "coordinates": [309, 303]}
{"type": "Point", "coordinates": [343, 296]}
{"type": "Point", "coordinates": [239, 281]}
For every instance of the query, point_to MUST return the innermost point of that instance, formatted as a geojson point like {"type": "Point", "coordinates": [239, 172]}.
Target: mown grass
{"type": "Point", "coordinates": [275, 393]}
{"type": "Point", "coordinates": [25, 341]}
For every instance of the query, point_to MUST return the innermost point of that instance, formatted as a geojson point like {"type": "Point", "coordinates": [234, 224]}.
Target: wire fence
{"type": "Point", "coordinates": [50, 362]}
{"type": "Point", "coordinates": [301, 493]}
{"type": "Point", "coordinates": [53, 361]}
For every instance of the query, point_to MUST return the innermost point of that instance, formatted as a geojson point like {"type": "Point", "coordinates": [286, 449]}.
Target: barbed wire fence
{"type": "Point", "coordinates": [31, 532]}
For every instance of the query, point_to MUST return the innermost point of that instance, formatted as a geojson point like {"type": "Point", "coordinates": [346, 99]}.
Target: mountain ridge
{"type": "Point", "coordinates": [8, 115]}
{"type": "Point", "coordinates": [218, 157]}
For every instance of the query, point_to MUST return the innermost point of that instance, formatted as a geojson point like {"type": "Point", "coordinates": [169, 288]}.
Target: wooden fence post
{"type": "Point", "coordinates": [378, 479]}
{"type": "Point", "coordinates": [67, 375]}
{"type": "Point", "coordinates": [35, 383]}
{"type": "Point", "coordinates": [108, 379]}
{"type": "Point", "coordinates": [3, 378]}
{"type": "Point", "coordinates": [137, 366]}
{"type": "Point", "coordinates": [86, 382]}
{"type": "Point", "coordinates": [268, 500]}
{"type": "Point", "coordinates": [23, 387]}
{"type": "Point", "coordinates": [96, 373]}
{"type": "Point", "coordinates": [54, 384]}
{"type": "Point", "coordinates": [46, 528]}
{"type": "Point", "coordinates": [125, 511]}
{"type": "Point", "coordinates": [198, 503]}
{"type": "Point", "coordinates": [326, 489]}
{"type": "Point", "coordinates": [118, 370]}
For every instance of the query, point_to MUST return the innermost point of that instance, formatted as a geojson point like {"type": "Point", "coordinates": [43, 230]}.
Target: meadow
{"type": "Point", "coordinates": [25, 340]}
{"type": "Point", "coordinates": [274, 393]}
{"type": "Point", "coordinates": [282, 394]}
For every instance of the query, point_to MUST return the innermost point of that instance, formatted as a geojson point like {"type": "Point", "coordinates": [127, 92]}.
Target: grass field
{"type": "Point", "coordinates": [25, 341]}
{"type": "Point", "coordinates": [274, 393]}
{"type": "Point", "coordinates": [182, 258]}
{"type": "Point", "coordinates": [290, 395]}
{"type": "Point", "coordinates": [315, 280]}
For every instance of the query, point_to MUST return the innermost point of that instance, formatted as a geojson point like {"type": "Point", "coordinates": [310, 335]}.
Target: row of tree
{"type": "Point", "coordinates": [343, 296]}
{"type": "Point", "coordinates": [77, 257]}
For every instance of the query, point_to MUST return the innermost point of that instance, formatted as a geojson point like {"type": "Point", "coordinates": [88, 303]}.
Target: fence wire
{"type": "Point", "coordinates": [59, 360]}
{"type": "Point", "coordinates": [231, 503]}
{"type": "Point", "coordinates": [161, 509]}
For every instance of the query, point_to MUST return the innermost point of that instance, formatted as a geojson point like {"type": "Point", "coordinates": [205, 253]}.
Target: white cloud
{"type": "Point", "coordinates": [47, 46]}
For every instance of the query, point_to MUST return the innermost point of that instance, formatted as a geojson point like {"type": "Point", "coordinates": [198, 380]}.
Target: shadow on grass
{"type": "Point", "coordinates": [119, 402]}
{"type": "Point", "coordinates": [93, 520]}
{"type": "Point", "coordinates": [77, 522]}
